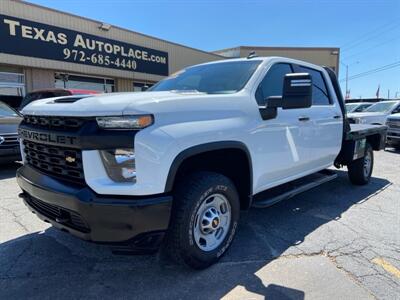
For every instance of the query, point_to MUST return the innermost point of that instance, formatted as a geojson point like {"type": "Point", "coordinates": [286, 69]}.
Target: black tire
{"type": "Point", "coordinates": [358, 175]}
{"type": "Point", "coordinates": [190, 194]}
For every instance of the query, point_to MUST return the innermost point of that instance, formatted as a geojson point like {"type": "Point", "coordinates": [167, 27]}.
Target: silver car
{"type": "Point", "coordinates": [9, 144]}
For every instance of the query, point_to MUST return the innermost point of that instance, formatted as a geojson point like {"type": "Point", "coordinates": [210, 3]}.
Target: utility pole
{"type": "Point", "coordinates": [347, 77]}
{"type": "Point", "coordinates": [388, 94]}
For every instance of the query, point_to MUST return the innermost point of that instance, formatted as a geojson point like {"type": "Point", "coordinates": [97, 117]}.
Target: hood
{"type": "Point", "coordinates": [112, 104]}
{"type": "Point", "coordinates": [9, 124]}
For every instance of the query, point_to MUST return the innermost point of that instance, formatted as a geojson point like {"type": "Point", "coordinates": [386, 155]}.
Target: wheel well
{"type": "Point", "coordinates": [233, 163]}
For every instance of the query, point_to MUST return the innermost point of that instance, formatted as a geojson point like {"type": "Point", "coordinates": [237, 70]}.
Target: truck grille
{"type": "Point", "coordinates": [55, 123]}
{"type": "Point", "coordinates": [10, 140]}
{"type": "Point", "coordinates": [60, 162]}
{"type": "Point", "coordinates": [58, 214]}
{"type": "Point", "coordinates": [393, 124]}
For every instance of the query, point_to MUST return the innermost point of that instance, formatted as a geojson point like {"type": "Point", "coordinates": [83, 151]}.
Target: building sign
{"type": "Point", "coordinates": [33, 39]}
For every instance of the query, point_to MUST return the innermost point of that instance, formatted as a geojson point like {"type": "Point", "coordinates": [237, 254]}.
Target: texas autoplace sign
{"type": "Point", "coordinates": [33, 39]}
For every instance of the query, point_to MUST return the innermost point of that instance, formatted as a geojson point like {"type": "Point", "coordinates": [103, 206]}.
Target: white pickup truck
{"type": "Point", "coordinates": [183, 158]}
{"type": "Point", "coordinates": [375, 114]}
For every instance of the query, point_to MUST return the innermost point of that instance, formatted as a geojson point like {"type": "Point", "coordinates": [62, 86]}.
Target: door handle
{"type": "Point", "coordinates": [337, 117]}
{"type": "Point", "coordinates": [304, 119]}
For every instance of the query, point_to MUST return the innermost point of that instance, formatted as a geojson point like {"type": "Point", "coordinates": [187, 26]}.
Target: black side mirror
{"type": "Point", "coordinates": [297, 93]}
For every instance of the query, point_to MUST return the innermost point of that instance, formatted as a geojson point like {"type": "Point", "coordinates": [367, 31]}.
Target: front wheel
{"type": "Point", "coordinates": [360, 170]}
{"type": "Point", "coordinates": [204, 219]}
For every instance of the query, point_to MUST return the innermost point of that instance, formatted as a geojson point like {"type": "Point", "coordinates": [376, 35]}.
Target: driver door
{"type": "Point", "coordinates": [283, 144]}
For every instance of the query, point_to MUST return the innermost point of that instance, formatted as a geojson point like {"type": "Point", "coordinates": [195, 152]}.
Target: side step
{"type": "Point", "coordinates": [291, 189]}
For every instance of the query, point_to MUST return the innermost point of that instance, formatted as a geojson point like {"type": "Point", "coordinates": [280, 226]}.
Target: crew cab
{"type": "Point", "coordinates": [375, 114]}
{"type": "Point", "coordinates": [178, 162]}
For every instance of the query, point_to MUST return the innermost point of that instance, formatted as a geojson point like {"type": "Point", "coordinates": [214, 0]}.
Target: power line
{"type": "Point", "coordinates": [373, 71]}
{"type": "Point", "coordinates": [371, 48]}
{"type": "Point", "coordinates": [377, 31]}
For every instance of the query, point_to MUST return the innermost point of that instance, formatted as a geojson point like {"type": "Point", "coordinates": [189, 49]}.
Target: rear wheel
{"type": "Point", "coordinates": [360, 170]}
{"type": "Point", "coordinates": [204, 219]}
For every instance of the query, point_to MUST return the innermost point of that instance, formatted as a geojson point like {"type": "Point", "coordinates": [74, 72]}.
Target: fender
{"type": "Point", "coordinates": [202, 148]}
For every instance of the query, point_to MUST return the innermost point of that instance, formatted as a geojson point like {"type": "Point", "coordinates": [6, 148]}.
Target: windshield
{"type": "Point", "coordinates": [350, 107]}
{"type": "Point", "coordinates": [6, 111]}
{"type": "Point", "coordinates": [219, 78]}
{"type": "Point", "coordinates": [381, 107]}
{"type": "Point", "coordinates": [362, 107]}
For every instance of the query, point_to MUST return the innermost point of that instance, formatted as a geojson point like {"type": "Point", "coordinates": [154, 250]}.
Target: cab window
{"type": "Point", "coordinates": [320, 94]}
{"type": "Point", "coordinates": [272, 84]}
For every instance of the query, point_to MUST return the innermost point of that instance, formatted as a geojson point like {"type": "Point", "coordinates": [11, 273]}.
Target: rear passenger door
{"type": "Point", "coordinates": [325, 120]}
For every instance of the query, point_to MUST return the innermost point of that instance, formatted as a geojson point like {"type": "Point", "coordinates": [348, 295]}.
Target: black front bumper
{"type": "Point", "coordinates": [89, 216]}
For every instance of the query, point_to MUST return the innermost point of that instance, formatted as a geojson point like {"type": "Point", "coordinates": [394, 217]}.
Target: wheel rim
{"type": "Point", "coordinates": [212, 222]}
{"type": "Point", "coordinates": [367, 164]}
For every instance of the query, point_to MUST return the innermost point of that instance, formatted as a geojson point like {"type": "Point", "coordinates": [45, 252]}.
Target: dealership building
{"type": "Point", "coordinates": [42, 48]}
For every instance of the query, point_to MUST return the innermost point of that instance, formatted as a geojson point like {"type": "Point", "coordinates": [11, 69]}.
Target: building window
{"type": "Point", "coordinates": [141, 86]}
{"type": "Point", "coordinates": [71, 81]}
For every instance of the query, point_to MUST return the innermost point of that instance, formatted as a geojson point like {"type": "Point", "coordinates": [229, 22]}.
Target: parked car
{"type": "Point", "coordinates": [357, 106]}
{"type": "Point", "coordinates": [393, 133]}
{"type": "Point", "coordinates": [50, 93]}
{"type": "Point", "coordinates": [375, 114]}
{"type": "Point", "coordinates": [184, 158]}
{"type": "Point", "coordinates": [9, 144]}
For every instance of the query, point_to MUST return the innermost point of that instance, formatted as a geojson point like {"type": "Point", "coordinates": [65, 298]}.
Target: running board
{"type": "Point", "coordinates": [291, 189]}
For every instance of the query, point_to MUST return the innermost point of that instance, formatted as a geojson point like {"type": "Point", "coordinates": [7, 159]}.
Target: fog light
{"type": "Point", "coordinates": [120, 164]}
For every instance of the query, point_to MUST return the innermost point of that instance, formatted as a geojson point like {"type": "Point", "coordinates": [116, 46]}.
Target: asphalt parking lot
{"type": "Point", "coordinates": [335, 241]}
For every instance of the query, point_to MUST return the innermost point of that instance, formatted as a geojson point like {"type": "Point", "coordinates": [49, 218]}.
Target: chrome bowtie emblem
{"type": "Point", "coordinates": [2, 139]}
{"type": "Point", "coordinates": [70, 159]}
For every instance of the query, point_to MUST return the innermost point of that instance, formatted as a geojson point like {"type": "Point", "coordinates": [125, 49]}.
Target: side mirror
{"type": "Point", "coordinates": [297, 92]}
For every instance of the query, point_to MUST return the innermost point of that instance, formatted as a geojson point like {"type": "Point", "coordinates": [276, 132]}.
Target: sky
{"type": "Point", "coordinates": [367, 31]}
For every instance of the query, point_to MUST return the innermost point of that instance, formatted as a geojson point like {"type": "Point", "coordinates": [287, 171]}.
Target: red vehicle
{"type": "Point", "coordinates": [49, 93]}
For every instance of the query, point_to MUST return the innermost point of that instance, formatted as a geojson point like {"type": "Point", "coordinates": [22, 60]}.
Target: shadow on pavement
{"type": "Point", "coordinates": [53, 264]}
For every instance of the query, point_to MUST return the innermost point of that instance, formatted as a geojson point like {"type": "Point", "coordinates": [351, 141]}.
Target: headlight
{"type": "Point", "coordinates": [120, 164]}
{"type": "Point", "coordinates": [125, 122]}
{"type": "Point", "coordinates": [359, 121]}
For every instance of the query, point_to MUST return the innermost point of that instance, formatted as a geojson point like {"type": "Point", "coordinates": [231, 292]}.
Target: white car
{"type": "Point", "coordinates": [357, 106]}
{"type": "Point", "coordinates": [375, 114]}
{"type": "Point", "coordinates": [184, 158]}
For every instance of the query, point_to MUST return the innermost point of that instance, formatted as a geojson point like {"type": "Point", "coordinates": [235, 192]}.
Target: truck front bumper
{"type": "Point", "coordinates": [393, 137]}
{"type": "Point", "coordinates": [135, 221]}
